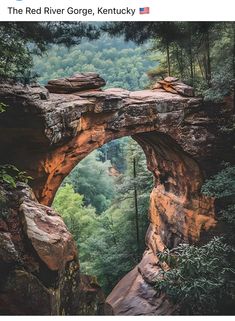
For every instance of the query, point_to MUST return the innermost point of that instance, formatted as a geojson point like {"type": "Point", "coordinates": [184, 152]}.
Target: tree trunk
{"type": "Point", "coordinates": [201, 68]}
{"type": "Point", "coordinates": [179, 60]}
{"type": "Point", "coordinates": [191, 55]}
{"type": "Point", "coordinates": [136, 211]}
{"type": "Point", "coordinates": [168, 59]}
{"type": "Point", "coordinates": [208, 59]}
{"type": "Point", "coordinates": [233, 67]}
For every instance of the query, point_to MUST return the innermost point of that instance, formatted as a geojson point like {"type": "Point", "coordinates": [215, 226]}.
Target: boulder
{"type": "Point", "coordinates": [76, 83]}
{"type": "Point", "coordinates": [172, 85]}
{"type": "Point", "coordinates": [48, 234]}
{"type": "Point", "coordinates": [183, 89]}
{"type": "Point", "coordinates": [171, 79]}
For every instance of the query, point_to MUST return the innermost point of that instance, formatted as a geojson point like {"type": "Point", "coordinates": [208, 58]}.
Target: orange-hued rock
{"type": "Point", "coordinates": [174, 86]}
{"type": "Point", "coordinates": [47, 134]}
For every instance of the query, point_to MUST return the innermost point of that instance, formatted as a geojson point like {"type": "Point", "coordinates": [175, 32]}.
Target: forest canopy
{"type": "Point", "coordinates": [121, 64]}
{"type": "Point", "coordinates": [191, 51]}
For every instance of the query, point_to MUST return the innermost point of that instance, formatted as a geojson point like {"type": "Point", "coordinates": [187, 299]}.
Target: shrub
{"type": "Point", "coordinates": [200, 279]}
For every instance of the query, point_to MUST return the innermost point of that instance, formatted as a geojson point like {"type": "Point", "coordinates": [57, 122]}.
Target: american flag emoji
{"type": "Point", "coordinates": [144, 10]}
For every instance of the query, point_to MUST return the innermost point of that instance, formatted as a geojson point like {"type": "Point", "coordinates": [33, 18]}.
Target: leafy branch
{"type": "Point", "coordinates": [10, 175]}
{"type": "Point", "coordinates": [2, 107]}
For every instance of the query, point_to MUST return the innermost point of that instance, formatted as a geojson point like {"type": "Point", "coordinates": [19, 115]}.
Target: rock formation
{"type": "Point", "coordinates": [174, 86]}
{"type": "Point", "coordinates": [78, 82]}
{"type": "Point", "coordinates": [47, 134]}
{"type": "Point", "coordinates": [38, 261]}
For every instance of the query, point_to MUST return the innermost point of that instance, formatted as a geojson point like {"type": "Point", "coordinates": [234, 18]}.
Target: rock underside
{"type": "Point", "coordinates": [48, 133]}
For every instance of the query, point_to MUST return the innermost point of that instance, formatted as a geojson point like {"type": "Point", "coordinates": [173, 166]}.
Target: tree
{"type": "Point", "coordinates": [81, 220]}
{"type": "Point", "coordinates": [193, 52]}
{"type": "Point", "coordinates": [140, 32]}
{"type": "Point", "coordinates": [222, 186]}
{"type": "Point", "coordinates": [133, 189]}
{"type": "Point", "coordinates": [120, 64]}
{"type": "Point", "coordinates": [19, 40]}
{"type": "Point", "coordinates": [92, 179]}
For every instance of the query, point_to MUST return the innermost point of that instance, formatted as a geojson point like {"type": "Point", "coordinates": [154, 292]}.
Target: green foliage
{"type": "Point", "coordinates": [10, 175]}
{"type": "Point", "coordinates": [80, 219]}
{"type": "Point", "coordinates": [15, 56]}
{"type": "Point", "coordinates": [106, 239]}
{"type": "Point", "coordinates": [200, 279]}
{"type": "Point", "coordinates": [202, 54]}
{"type": "Point", "coordinates": [120, 64]}
{"type": "Point", "coordinates": [20, 40]}
{"type": "Point", "coordinates": [113, 246]}
{"type": "Point", "coordinates": [222, 184]}
{"type": "Point", "coordinates": [91, 178]}
{"type": "Point", "coordinates": [2, 107]}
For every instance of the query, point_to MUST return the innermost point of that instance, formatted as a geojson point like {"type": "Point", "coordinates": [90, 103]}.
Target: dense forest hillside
{"type": "Point", "coordinates": [120, 63]}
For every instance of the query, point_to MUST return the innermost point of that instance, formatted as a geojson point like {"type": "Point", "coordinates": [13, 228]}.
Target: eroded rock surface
{"type": "Point", "coordinates": [48, 234]}
{"type": "Point", "coordinates": [47, 134]}
{"type": "Point", "coordinates": [78, 82]}
{"type": "Point", "coordinates": [38, 261]}
{"type": "Point", "coordinates": [174, 86]}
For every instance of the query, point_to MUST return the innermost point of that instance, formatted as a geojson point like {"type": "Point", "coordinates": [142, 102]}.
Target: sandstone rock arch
{"type": "Point", "coordinates": [48, 134]}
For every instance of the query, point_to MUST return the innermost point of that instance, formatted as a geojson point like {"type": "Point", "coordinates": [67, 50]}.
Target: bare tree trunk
{"type": "Point", "coordinates": [208, 59]}
{"type": "Point", "coordinates": [191, 55]}
{"type": "Point", "coordinates": [201, 68]}
{"type": "Point", "coordinates": [168, 59]}
{"type": "Point", "coordinates": [233, 67]}
{"type": "Point", "coordinates": [179, 60]}
{"type": "Point", "coordinates": [136, 211]}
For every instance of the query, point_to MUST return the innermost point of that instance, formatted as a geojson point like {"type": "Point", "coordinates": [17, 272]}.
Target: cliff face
{"type": "Point", "coordinates": [48, 134]}
{"type": "Point", "coordinates": [38, 261]}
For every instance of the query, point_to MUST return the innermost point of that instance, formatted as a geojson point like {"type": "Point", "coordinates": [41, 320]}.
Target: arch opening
{"type": "Point", "coordinates": [104, 202]}
{"type": "Point", "coordinates": [178, 212]}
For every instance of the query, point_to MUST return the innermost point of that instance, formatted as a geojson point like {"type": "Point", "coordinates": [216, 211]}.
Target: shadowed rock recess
{"type": "Point", "coordinates": [47, 134]}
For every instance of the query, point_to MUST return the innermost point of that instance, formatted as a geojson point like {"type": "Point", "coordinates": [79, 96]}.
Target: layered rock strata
{"type": "Point", "coordinates": [47, 134]}
{"type": "Point", "coordinates": [78, 82]}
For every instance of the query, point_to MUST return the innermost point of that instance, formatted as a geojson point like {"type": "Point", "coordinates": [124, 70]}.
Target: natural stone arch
{"type": "Point", "coordinates": [47, 135]}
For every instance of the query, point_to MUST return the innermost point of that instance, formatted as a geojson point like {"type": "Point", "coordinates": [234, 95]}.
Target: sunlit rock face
{"type": "Point", "coordinates": [47, 134]}
{"type": "Point", "coordinates": [178, 213]}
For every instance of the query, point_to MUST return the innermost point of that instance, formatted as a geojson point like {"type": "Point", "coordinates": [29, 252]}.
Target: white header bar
{"type": "Point", "coordinates": [121, 10]}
